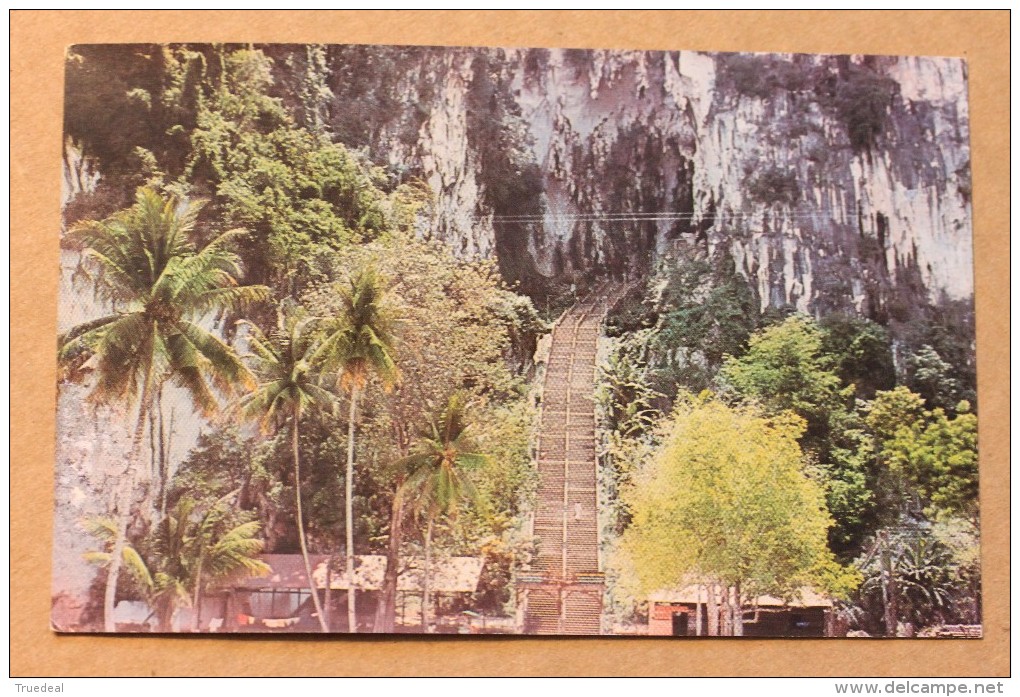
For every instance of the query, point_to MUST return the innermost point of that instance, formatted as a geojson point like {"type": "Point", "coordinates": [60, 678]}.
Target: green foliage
{"type": "Point", "coordinates": [938, 456]}
{"type": "Point", "coordinates": [774, 185]}
{"type": "Point", "coordinates": [761, 76]}
{"type": "Point", "coordinates": [706, 312]}
{"type": "Point", "coordinates": [506, 480]}
{"type": "Point", "coordinates": [435, 478]}
{"type": "Point", "coordinates": [436, 483]}
{"type": "Point", "coordinates": [314, 94]}
{"type": "Point", "coordinates": [631, 411]}
{"type": "Point", "coordinates": [846, 462]}
{"type": "Point", "coordinates": [892, 410]}
{"type": "Point", "coordinates": [294, 189]}
{"type": "Point", "coordinates": [861, 351]}
{"type": "Point", "coordinates": [449, 318]}
{"type": "Point", "coordinates": [948, 329]}
{"type": "Point", "coordinates": [450, 322]}
{"type": "Point", "coordinates": [933, 378]}
{"type": "Point", "coordinates": [785, 369]}
{"type": "Point", "coordinates": [285, 362]}
{"type": "Point", "coordinates": [360, 338]}
{"type": "Point", "coordinates": [523, 325]}
{"type": "Point", "coordinates": [197, 545]}
{"type": "Point", "coordinates": [143, 263]}
{"type": "Point", "coordinates": [726, 500]}
{"type": "Point", "coordinates": [222, 461]}
{"type": "Point", "coordinates": [212, 126]}
{"type": "Point", "coordinates": [627, 400]}
{"type": "Point", "coordinates": [109, 92]}
{"type": "Point", "coordinates": [365, 81]}
{"type": "Point", "coordinates": [935, 573]}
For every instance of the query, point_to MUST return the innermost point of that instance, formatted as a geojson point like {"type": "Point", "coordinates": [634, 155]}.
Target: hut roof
{"type": "Point", "coordinates": [449, 575]}
{"type": "Point", "coordinates": [804, 597]}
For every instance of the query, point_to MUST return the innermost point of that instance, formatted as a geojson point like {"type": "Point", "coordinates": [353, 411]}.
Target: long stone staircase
{"type": "Point", "coordinates": [563, 589]}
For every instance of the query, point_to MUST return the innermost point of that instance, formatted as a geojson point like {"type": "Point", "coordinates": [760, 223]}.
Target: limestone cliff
{"type": "Point", "coordinates": [832, 182]}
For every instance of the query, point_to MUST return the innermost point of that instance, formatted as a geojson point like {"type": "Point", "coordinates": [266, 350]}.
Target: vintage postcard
{"type": "Point", "coordinates": [379, 339]}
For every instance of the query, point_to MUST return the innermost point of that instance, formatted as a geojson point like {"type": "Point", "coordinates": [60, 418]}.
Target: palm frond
{"type": "Point", "coordinates": [143, 256]}
{"type": "Point", "coordinates": [223, 367]}
{"type": "Point", "coordinates": [136, 566]}
{"type": "Point", "coordinates": [103, 528]}
{"type": "Point", "coordinates": [97, 558]}
{"type": "Point", "coordinates": [230, 298]}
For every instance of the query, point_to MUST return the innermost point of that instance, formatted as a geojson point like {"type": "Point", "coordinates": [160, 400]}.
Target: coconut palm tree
{"type": "Point", "coordinates": [190, 549]}
{"type": "Point", "coordinates": [436, 482]}
{"type": "Point", "coordinates": [286, 392]}
{"type": "Point", "coordinates": [159, 287]}
{"type": "Point", "coordinates": [221, 549]}
{"type": "Point", "coordinates": [359, 343]}
{"type": "Point", "coordinates": [163, 592]}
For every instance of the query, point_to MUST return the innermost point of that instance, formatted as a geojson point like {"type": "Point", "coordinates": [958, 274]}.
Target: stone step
{"type": "Point", "coordinates": [567, 470]}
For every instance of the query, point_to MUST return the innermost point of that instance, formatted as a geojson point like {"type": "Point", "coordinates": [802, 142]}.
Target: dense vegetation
{"type": "Point", "coordinates": [881, 428]}
{"type": "Point", "coordinates": [358, 389]}
{"type": "Point", "coordinates": [857, 94]}
{"type": "Point", "coordinates": [355, 334]}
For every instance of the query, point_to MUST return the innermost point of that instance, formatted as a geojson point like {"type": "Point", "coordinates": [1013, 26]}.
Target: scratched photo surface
{"type": "Point", "coordinates": [433, 340]}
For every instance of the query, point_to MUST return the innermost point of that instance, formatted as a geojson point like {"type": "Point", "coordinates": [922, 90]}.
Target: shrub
{"type": "Point", "coordinates": [774, 185]}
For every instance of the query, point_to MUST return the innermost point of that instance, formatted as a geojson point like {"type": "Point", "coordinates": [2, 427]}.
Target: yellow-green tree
{"type": "Point", "coordinates": [726, 503]}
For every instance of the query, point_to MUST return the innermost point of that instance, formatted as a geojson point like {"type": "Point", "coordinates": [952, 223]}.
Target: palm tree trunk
{"type": "Point", "coordinates": [165, 615]}
{"type": "Point", "coordinates": [426, 597]}
{"type": "Point", "coordinates": [122, 502]}
{"type": "Point", "coordinates": [164, 456]}
{"type": "Point", "coordinates": [352, 614]}
{"type": "Point", "coordinates": [300, 522]}
{"type": "Point", "coordinates": [110, 595]}
{"type": "Point", "coordinates": [196, 602]}
{"type": "Point", "coordinates": [385, 615]}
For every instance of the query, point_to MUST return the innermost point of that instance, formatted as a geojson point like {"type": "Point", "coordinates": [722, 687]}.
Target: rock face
{"type": "Point", "coordinates": [832, 182]}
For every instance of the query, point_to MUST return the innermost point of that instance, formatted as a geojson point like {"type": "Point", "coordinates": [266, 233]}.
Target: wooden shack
{"type": "Point", "coordinates": [281, 601]}
{"type": "Point", "coordinates": [684, 612]}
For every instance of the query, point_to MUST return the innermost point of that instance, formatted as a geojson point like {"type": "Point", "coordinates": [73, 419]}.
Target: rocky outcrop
{"type": "Point", "coordinates": [833, 182]}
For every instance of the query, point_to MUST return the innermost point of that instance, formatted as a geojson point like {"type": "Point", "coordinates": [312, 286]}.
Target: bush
{"type": "Point", "coordinates": [761, 76]}
{"type": "Point", "coordinates": [861, 99]}
{"type": "Point", "coordinates": [774, 185]}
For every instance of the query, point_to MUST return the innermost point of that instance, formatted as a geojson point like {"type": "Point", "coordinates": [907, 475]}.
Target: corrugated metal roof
{"type": "Point", "coordinates": [805, 597]}
{"type": "Point", "coordinates": [449, 575]}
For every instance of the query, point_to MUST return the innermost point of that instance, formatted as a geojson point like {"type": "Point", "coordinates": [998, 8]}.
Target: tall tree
{"type": "Point", "coordinates": [288, 389]}
{"type": "Point", "coordinates": [726, 502]}
{"type": "Point", "coordinates": [194, 546]}
{"type": "Point", "coordinates": [933, 456]}
{"type": "Point", "coordinates": [221, 548]}
{"type": "Point", "coordinates": [359, 344]}
{"type": "Point", "coordinates": [159, 287]}
{"type": "Point", "coordinates": [436, 482]}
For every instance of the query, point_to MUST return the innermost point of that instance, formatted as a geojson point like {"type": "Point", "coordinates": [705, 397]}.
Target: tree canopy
{"type": "Point", "coordinates": [726, 499]}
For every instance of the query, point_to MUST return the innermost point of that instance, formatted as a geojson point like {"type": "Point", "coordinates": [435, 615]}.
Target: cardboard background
{"type": "Point", "coordinates": [38, 40]}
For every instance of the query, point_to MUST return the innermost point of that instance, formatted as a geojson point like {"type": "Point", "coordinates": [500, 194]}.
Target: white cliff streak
{"type": "Point", "coordinates": [616, 132]}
